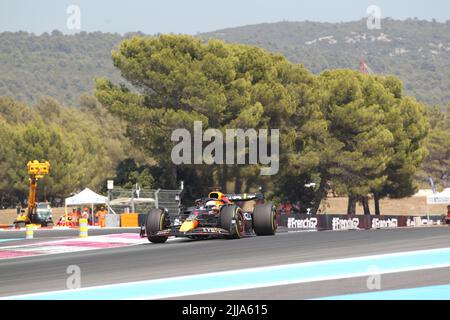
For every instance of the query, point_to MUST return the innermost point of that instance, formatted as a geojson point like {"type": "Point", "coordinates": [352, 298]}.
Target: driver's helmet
{"type": "Point", "coordinates": [212, 203]}
{"type": "Point", "coordinates": [199, 203]}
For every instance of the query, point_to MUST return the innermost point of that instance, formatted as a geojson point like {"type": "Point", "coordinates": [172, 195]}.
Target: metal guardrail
{"type": "Point", "coordinates": [169, 199]}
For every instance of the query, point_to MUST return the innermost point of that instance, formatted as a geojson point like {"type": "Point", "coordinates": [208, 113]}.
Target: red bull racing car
{"type": "Point", "coordinates": [217, 216]}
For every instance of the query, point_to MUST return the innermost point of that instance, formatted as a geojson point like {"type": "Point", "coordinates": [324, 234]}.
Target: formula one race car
{"type": "Point", "coordinates": [217, 216]}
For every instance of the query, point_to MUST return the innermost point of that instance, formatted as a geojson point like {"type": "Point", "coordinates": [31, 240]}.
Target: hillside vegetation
{"type": "Point", "coordinates": [418, 52]}
{"type": "Point", "coordinates": [57, 65]}
{"type": "Point", "coordinates": [64, 66]}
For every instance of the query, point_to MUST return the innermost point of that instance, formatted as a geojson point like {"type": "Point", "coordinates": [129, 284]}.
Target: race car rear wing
{"type": "Point", "coordinates": [245, 196]}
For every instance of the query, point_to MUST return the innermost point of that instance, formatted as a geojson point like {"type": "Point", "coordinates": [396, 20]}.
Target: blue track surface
{"type": "Point", "coordinates": [6, 240]}
{"type": "Point", "coordinates": [422, 293]}
{"type": "Point", "coordinates": [263, 277]}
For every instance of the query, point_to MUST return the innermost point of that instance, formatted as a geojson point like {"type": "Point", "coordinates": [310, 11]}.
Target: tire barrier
{"type": "Point", "coordinates": [83, 228]}
{"type": "Point", "coordinates": [354, 222]}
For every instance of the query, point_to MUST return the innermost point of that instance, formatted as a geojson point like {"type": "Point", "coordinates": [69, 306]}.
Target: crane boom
{"type": "Point", "coordinates": [36, 171]}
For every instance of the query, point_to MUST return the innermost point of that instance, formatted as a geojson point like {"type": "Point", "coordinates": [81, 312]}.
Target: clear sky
{"type": "Point", "coordinates": [192, 16]}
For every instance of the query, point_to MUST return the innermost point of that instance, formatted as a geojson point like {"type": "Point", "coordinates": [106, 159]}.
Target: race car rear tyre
{"type": "Point", "coordinates": [227, 215]}
{"type": "Point", "coordinates": [156, 221]}
{"type": "Point", "coordinates": [264, 220]}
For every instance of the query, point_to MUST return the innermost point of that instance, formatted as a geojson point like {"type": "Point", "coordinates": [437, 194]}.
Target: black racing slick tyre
{"type": "Point", "coordinates": [156, 221]}
{"type": "Point", "coordinates": [264, 220]}
{"type": "Point", "coordinates": [232, 220]}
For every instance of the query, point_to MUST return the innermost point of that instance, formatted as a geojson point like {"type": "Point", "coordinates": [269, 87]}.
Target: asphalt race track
{"type": "Point", "coordinates": [300, 252]}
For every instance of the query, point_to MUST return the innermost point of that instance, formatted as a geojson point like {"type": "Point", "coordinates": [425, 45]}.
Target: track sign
{"type": "Point", "coordinates": [110, 184]}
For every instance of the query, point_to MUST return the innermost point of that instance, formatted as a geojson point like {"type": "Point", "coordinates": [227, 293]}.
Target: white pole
{"type": "Point", "coordinates": [83, 228]}
{"type": "Point", "coordinates": [156, 198]}
{"type": "Point", "coordinates": [29, 231]}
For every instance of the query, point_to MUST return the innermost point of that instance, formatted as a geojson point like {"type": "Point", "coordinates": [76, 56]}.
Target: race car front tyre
{"type": "Point", "coordinates": [156, 220]}
{"type": "Point", "coordinates": [264, 220]}
{"type": "Point", "coordinates": [231, 219]}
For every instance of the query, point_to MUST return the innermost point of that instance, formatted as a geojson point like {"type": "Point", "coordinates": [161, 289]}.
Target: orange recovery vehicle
{"type": "Point", "coordinates": [36, 213]}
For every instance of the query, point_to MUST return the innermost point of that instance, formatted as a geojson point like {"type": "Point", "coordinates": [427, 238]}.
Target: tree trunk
{"type": "Point", "coordinates": [351, 207]}
{"type": "Point", "coordinates": [320, 195]}
{"type": "Point", "coordinates": [174, 174]}
{"type": "Point", "coordinates": [238, 181]}
{"type": "Point", "coordinates": [376, 199]}
{"type": "Point", "coordinates": [224, 178]}
{"type": "Point", "coordinates": [365, 203]}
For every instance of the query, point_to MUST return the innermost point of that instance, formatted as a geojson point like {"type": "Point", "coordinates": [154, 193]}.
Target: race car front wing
{"type": "Point", "coordinates": [200, 231]}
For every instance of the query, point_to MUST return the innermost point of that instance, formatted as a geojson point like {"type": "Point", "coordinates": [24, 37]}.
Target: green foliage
{"type": "Point", "coordinates": [180, 80]}
{"type": "Point", "coordinates": [362, 143]}
{"type": "Point", "coordinates": [437, 163]}
{"type": "Point", "coordinates": [352, 133]}
{"type": "Point", "coordinates": [128, 174]}
{"type": "Point", "coordinates": [76, 142]}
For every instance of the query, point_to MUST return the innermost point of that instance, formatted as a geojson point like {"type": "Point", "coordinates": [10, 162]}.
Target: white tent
{"type": "Point", "coordinates": [439, 198]}
{"type": "Point", "coordinates": [86, 197]}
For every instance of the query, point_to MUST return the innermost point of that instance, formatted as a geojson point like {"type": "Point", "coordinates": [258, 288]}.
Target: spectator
{"type": "Point", "coordinates": [100, 215]}
{"type": "Point", "coordinates": [61, 222]}
{"type": "Point", "coordinates": [74, 216]}
{"type": "Point", "coordinates": [19, 208]}
{"type": "Point", "coordinates": [288, 208]}
{"type": "Point", "coordinates": [281, 214]}
{"type": "Point", "coordinates": [297, 208]}
{"type": "Point", "coordinates": [85, 213]}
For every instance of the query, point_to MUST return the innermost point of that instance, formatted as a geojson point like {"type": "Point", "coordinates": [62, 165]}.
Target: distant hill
{"type": "Point", "coordinates": [416, 51]}
{"type": "Point", "coordinates": [64, 66]}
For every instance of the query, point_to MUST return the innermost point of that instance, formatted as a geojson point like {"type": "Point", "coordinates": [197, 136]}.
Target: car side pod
{"type": "Point", "coordinates": [188, 225]}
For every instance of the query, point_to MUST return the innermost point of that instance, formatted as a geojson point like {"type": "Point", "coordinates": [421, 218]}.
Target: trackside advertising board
{"type": "Point", "coordinates": [353, 222]}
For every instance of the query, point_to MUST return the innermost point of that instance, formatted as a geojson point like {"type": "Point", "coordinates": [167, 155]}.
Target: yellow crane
{"type": "Point", "coordinates": [36, 213]}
